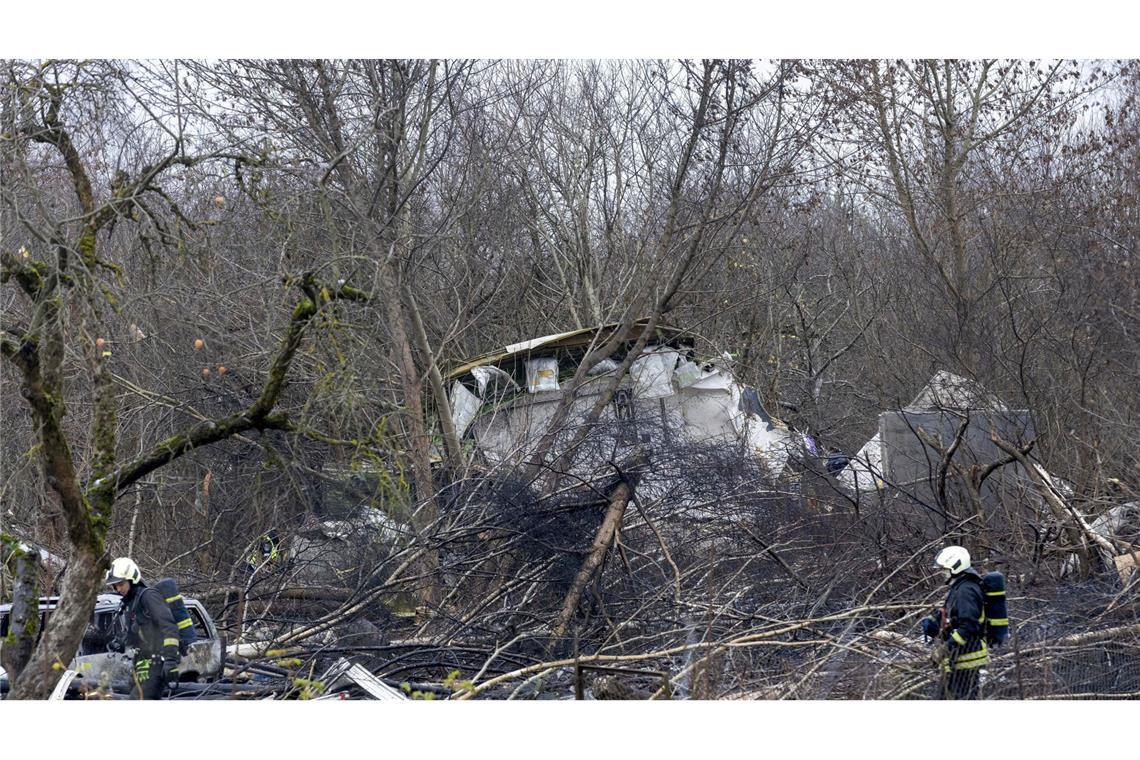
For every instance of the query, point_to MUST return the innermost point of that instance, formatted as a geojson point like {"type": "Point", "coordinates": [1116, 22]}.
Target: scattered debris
{"type": "Point", "coordinates": [1125, 565]}
{"type": "Point", "coordinates": [346, 673]}
{"type": "Point", "coordinates": [951, 413]}
{"type": "Point", "coordinates": [864, 472]}
{"type": "Point", "coordinates": [344, 680]}
{"type": "Point", "coordinates": [61, 688]}
{"type": "Point", "coordinates": [1114, 531]}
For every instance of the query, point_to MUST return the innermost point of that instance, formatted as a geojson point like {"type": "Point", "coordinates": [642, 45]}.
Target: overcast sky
{"type": "Point", "coordinates": [586, 28]}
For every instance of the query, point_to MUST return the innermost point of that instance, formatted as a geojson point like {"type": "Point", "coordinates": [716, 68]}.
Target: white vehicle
{"type": "Point", "coordinates": [203, 661]}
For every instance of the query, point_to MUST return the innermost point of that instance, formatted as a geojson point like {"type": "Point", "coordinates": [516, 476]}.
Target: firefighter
{"type": "Point", "coordinates": [265, 553]}
{"type": "Point", "coordinates": [144, 621]}
{"type": "Point", "coordinates": [958, 628]}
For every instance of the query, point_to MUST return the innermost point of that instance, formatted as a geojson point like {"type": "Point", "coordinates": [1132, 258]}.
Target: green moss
{"type": "Point", "coordinates": [305, 309]}
{"type": "Point", "coordinates": [86, 246]}
{"type": "Point", "coordinates": [111, 299]}
{"type": "Point", "coordinates": [105, 439]}
{"type": "Point", "coordinates": [12, 544]}
{"type": "Point", "coordinates": [100, 521]}
{"type": "Point", "coordinates": [172, 443]}
{"type": "Point", "coordinates": [40, 270]}
{"type": "Point", "coordinates": [308, 689]}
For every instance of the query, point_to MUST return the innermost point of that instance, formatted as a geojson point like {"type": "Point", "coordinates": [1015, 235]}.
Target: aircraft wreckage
{"type": "Point", "coordinates": [506, 400]}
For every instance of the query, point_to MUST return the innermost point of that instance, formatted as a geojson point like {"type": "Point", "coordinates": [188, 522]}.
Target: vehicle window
{"type": "Point", "coordinates": [92, 642]}
{"type": "Point", "coordinates": [97, 635]}
{"type": "Point", "coordinates": [199, 624]}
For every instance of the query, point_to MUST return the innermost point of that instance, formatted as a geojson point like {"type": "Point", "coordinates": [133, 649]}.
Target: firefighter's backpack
{"type": "Point", "coordinates": [997, 612]}
{"type": "Point", "coordinates": [186, 633]}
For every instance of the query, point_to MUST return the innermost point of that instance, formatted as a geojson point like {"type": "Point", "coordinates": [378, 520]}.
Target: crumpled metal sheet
{"type": "Point", "coordinates": [345, 672]}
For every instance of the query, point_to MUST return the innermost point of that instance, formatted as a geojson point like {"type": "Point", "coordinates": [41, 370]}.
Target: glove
{"type": "Point", "coordinates": [142, 670]}
{"type": "Point", "coordinates": [939, 653]}
{"type": "Point", "coordinates": [170, 673]}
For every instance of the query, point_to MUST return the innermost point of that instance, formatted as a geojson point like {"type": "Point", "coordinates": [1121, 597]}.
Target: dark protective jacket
{"type": "Point", "coordinates": [965, 634]}
{"type": "Point", "coordinates": [149, 624]}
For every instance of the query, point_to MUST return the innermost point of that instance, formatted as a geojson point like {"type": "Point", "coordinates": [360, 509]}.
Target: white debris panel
{"type": "Point", "coordinates": [652, 373]}
{"type": "Point", "coordinates": [945, 390]}
{"type": "Point", "coordinates": [864, 473]}
{"type": "Point", "coordinates": [665, 395]}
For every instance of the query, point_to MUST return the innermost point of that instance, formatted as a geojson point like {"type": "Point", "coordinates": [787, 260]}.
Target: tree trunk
{"type": "Point", "coordinates": [424, 510]}
{"type": "Point", "coordinates": [23, 563]}
{"type": "Point", "coordinates": [435, 381]}
{"type": "Point", "coordinates": [60, 641]}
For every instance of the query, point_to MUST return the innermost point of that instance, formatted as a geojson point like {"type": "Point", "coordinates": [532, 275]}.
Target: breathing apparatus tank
{"type": "Point", "coordinates": [997, 612]}
{"type": "Point", "coordinates": [168, 587]}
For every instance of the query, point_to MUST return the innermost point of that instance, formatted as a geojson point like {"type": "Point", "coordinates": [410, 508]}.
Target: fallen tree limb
{"type": "Point", "coordinates": [1040, 649]}
{"type": "Point", "coordinates": [744, 640]}
{"type": "Point", "coordinates": [1065, 513]}
{"type": "Point", "coordinates": [314, 593]}
{"type": "Point", "coordinates": [349, 611]}
{"type": "Point", "coordinates": [618, 501]}
{"type": "Point", "coordinates": [1089, 695]}
{"type": "Point", "coordinates": [772, 553]}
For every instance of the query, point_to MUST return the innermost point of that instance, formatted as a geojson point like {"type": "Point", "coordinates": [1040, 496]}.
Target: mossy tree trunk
{"type": "Point", "coordinates": [23, 564]}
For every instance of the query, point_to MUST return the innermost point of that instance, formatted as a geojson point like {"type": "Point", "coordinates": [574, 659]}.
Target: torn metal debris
{"type": "Point", "coordinates": [505, 400]}
{"type": "Point", "coordinates": [345, 673]}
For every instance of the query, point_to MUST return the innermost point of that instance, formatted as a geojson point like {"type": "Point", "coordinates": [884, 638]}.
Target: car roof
{"type": "Point", "coordinates": [103, 603]}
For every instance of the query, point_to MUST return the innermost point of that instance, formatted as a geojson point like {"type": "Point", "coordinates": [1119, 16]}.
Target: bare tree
{"type": "Point", "coordinates": [61, 272]}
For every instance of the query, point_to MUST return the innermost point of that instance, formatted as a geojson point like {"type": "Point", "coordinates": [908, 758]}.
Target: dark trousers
{"type": "Point", "coordinates": [149, 683]}
{"type": "Point", "coordinates": [959, 684]}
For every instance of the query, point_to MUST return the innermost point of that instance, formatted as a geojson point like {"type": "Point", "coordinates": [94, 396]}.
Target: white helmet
{"type": "Point", "coordinates": [123, 569]}
{"type": "Point", "coordinates": [953, 559]}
